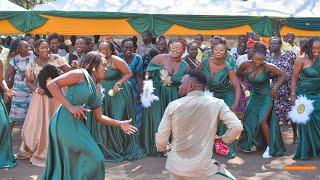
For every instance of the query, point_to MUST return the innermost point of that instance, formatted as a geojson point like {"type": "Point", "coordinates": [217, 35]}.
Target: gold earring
{"type": "Point", "coordinates": [94, 69]}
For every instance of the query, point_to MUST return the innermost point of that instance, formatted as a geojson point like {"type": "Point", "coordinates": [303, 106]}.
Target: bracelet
{"type": "Point", "coordinates": [118, 84]}
{"type": "Point", "coordinates": [293, 93]}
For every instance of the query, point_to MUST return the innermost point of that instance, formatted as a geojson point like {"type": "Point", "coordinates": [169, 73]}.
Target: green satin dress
{"type": "Point", "coordinates": [229, 58]}
{"type": "Point", "coordinates": [152, 115]}
{"type": "Point", "coordinates": [72, 152]}
{"type": "Point", "coordinates": [259, 104]}
{"type": "Point", "coordinates": [116, 145]}
{"type": "Point", "coordinates": [309, 133]}
{"type": "Point", "coordinates": [7, 159]}
{"type": "Point", "coordinates": [222, 88]}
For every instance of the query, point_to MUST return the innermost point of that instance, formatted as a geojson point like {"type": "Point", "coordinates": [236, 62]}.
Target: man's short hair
{"type": "Point", "coordinates": [54, 36]}
{"type": "Point", "coordinates": [147, 33]}
{"type": "Point", "coordinates": [198, 76]}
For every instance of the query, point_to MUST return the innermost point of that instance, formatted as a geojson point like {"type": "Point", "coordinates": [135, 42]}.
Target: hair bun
{"type": "Point", "coordinates": [48, 73]}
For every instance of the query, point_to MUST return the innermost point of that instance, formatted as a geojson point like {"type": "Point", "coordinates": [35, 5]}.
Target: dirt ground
{"type": "Point", "coordinates": [244, 166]}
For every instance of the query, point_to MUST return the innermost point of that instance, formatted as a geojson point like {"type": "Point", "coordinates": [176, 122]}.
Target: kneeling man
{"type": "Point", "coordinates": [192, 120]}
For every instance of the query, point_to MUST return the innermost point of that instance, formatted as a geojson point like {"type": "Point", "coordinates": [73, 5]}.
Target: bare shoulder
{"type": "Point", "coordinates": [117, 59]}
{"type": "Point", "coordinates": [160, 58]}
{"type": "Point", "coordinates": [245, 64]}
{"type": "Point", "coordinates": [270, 65]}
{"type": "Point", "coordinates": [302, 59]}
{"type": "Point", "coordinates": [76, 73]}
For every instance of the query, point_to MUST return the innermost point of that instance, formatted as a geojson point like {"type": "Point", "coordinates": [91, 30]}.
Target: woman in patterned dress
{"type": "Point", "coordinates": [284, 60]}
{"type": "Point", "coordinates": [21, 98]}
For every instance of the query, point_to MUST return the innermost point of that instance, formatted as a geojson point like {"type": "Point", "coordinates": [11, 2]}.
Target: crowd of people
{"type": "Point", "coordinates": [91, 110]}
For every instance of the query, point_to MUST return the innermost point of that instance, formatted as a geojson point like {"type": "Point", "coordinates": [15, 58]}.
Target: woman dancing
{"type": "Point", "coordinates": [224, 84]}
{"type": "Point", "coordinates": [166, 71]}
{"type": "Point", "coordinates": [72, 152]}
{"type": "Point", "coordinates": [260, 115]}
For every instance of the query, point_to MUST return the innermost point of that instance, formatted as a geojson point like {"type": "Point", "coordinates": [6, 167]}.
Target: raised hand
{"type": "Point", "coordinates": [127, 127]}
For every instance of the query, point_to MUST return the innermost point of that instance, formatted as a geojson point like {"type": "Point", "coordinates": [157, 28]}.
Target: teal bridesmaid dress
{"type": "Point", "coordinates": [259, 104]}
{"type": "Point", "coordinates": [7, 160]}
{"type": "Point", "coordinates": [72, 152]}
{"type": "Point", "coordinates": [309, 134]}
{"type": "Point", "coordinates": [222, 88]}
{"type": "Point", "coordinates": [152, 115]}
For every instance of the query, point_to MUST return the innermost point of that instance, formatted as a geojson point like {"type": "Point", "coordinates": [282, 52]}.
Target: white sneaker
{"type": "Point", "coordinates": [266, 154]}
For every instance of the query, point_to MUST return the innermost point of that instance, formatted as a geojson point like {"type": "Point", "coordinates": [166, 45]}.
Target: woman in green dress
{"type": "Point", "coordinates": [120, 104]}
{"type": "Point", "coordinates": [208, 54]}
{"type": "Point", "coordinates": [224, 84]}
{"type": "Point", "coordinates": [166, 72]}
{"type": "Point", "coordinates": [72, 152]}
{"type": "Point", "coordinates": [305, 81]}
{"type": "Point", "coordinates": [7, 159]}
{"type": "Point", "coordinates": [260, 121]}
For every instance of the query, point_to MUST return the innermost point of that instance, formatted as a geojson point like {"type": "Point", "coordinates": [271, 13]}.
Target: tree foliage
{"type": "Point", "coordinates": [29, 4]}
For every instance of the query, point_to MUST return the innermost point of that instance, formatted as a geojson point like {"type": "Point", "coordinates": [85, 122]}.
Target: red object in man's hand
{"type": "Point", "coordinates": [221, 148]}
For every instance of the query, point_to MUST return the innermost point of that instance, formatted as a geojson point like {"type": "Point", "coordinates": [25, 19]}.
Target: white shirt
{"type": "Point", "coordinates": [241, 59]}
{"type": "Point", "coordinates": [193, 121]}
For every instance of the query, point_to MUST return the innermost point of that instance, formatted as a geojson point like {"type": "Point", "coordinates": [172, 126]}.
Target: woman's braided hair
{"type": "Point", "coordinates": [91, 60]}
{"type": "Point", "coordinates": [260, 48]}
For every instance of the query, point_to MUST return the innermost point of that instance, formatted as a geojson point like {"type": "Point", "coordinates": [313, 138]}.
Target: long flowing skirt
{"type": "Point", "coordinates": [228, 97]}
{"type": "Point", "coordinates": [35, 128]}
{"type": "Point", "coordinates": [7, 159]}
{"type": "Point", "coordinates": [252, 135]}
{"type": "Point", "coordinates": [72, 152]}
{"type": "Point", "coordinates": [309, 134]}
{"type": "Point", "coordinates": [114, 143]}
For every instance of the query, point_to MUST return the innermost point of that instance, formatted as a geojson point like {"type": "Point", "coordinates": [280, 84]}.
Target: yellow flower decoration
{"type": "Point", "coordinates": [247, 93]}
{"type": "Point", "coordinates": [110, 92]}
